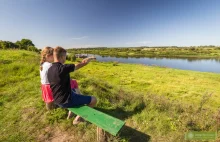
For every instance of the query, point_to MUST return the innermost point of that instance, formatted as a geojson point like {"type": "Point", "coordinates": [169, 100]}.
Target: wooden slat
{"type": "Point", "coordinates": [102, 120]}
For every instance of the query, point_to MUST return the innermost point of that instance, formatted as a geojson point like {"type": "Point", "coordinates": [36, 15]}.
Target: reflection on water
{"type": "Point", "coordinates": [204, 65]}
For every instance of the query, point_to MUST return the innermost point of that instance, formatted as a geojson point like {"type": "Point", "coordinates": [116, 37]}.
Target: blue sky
{"type": "Point", "coordinates": [112, 23]}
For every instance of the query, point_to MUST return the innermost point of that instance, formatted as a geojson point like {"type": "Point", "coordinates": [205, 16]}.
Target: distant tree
{"type": "Point", "coordinates": [71, 57]}
{"type": "Point", "coordinates": [18, 43]}
{"type": "Point", "coordinates": [11, 45]}
{"type": "Point", "coordinates": [25, 43]}
{"type": "Point", "coordinates": [192, 48]}
{"type": "Point", "coordinates": [1, 44]}
{"type": "Point", "coordinates": [7, 45]}
{"type": "Point", "coordinates": [32, 48]}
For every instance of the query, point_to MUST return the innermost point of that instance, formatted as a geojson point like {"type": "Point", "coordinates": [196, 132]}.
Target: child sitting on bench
{"type": "Point", "coordinates": [45, 64]}
{"type": "Point", "coordinates": [59, 79]}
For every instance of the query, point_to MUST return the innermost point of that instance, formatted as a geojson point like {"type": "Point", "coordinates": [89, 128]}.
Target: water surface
{"type": "Point", "coordinates": [203, 65]}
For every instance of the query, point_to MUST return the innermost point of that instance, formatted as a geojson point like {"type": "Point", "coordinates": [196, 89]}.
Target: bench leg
{"type": "Point", "coordinates": [101, 137]}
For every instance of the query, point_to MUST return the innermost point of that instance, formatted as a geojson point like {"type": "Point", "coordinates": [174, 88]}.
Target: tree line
{"type": "Point", "coordinates": [209, 51]}
{"type": "Point", "coordinates": [25, 44]}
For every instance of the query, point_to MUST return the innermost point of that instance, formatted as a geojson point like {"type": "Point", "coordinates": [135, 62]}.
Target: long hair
{"type": "Point", "coordinates": [45, 51]}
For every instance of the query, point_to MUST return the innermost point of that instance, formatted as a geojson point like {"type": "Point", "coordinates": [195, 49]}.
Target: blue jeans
{"type": "Point", "coordinates": [77, 100]}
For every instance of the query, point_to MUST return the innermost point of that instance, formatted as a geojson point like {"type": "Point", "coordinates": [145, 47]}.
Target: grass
{"type": "Point", "coordinates": [156, 103]}
{"type": "Point", "coordinates": [187, 86]}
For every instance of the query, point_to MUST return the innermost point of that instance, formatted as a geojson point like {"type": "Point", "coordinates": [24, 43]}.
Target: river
{"type": "Point", "coordinates": [203, 65]}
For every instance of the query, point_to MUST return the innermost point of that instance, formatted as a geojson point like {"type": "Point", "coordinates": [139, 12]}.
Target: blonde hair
{"type": "Point", "coordinates": [45, 51]}
{"type": "Point", "coordinates": [59, 52]}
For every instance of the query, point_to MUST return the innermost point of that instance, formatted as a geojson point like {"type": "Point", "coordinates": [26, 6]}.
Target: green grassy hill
{"type": "Point", "coordinates": [156, 103]}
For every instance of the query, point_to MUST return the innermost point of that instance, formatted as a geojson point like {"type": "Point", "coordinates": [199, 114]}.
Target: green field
{"type": "Point", "coordinates": [171, 52]}
{"type": "Point", "coordinates": [157, 104]}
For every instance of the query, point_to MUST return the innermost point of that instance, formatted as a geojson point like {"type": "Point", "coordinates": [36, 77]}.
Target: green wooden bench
{"type": "Point", "coordinates": [102, 120]}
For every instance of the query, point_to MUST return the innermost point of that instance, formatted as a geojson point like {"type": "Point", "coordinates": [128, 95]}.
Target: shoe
{"type": "Point", "coordinates": [80, 119]}
{"type": "Point", "coordinates": [70, 115]}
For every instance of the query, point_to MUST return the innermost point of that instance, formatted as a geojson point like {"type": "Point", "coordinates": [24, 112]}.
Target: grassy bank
{"type": "Point", "coordinates": [171, 52]}
{"type": "Point", "coordinates": [156, 103]}
{"type": "Point", "coordinates": [185, 86]}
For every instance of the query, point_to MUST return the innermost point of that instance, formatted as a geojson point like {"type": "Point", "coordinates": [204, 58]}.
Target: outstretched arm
{"type": "Point", "coordinates": [84, 62]}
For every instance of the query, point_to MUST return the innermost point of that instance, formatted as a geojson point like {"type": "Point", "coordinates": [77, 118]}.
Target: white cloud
{"type": "Point", "coordinates": [79, 38]}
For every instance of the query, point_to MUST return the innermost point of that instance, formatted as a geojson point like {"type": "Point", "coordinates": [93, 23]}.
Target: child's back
{"type": "Point", "coordinates": [43, 73]}
{"type": "Point", "coordinates": [46, 63]}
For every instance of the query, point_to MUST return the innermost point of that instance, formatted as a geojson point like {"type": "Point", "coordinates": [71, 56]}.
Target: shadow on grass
{"type": "Point", "coordinates": [120, 113]}
{"type": "Point", "coordinates": [127, 132]}
{"type": "Point", "coordinates": [5, 61]}
{"type": "Point", "coordinates": [133, 135]}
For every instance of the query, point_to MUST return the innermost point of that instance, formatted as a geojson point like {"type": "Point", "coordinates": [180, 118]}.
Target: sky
{"type": "Point", "coordinates": [111, 23]}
